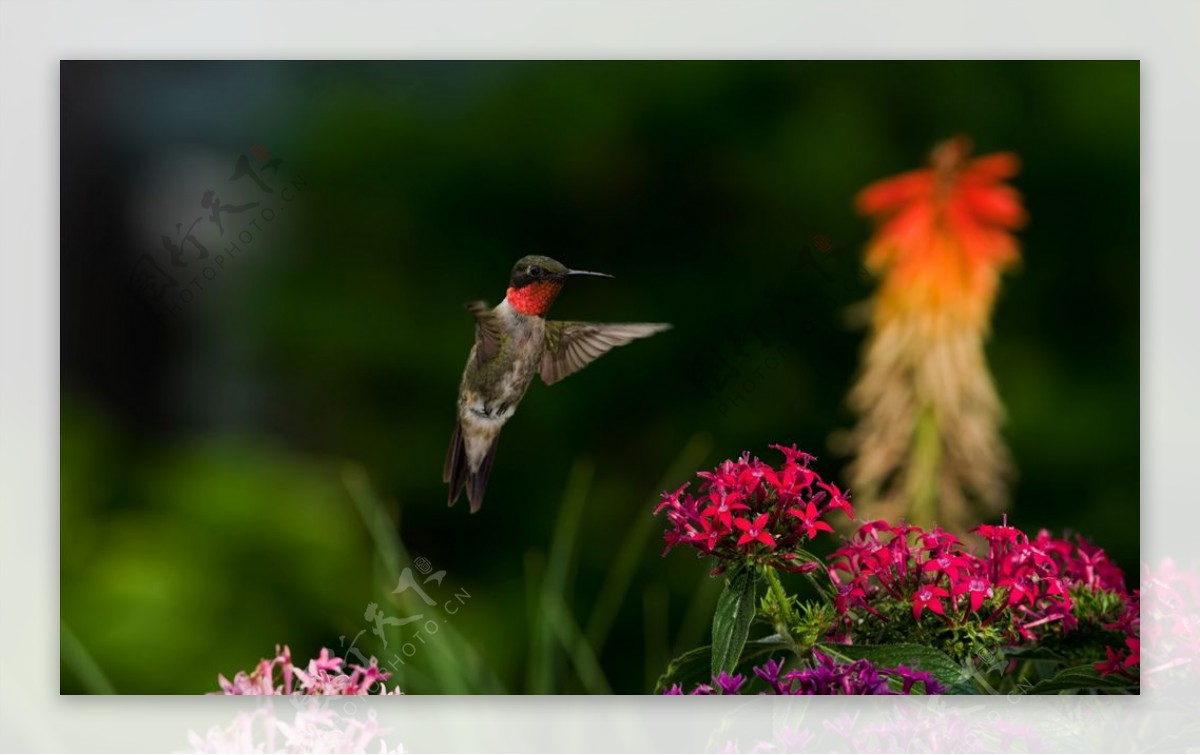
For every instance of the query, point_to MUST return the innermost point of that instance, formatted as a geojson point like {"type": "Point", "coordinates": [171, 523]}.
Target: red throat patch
{"type": "Point", "coordinates": [533, 299]}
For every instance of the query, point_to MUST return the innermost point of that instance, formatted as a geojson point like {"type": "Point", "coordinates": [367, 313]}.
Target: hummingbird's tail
{"type": "Point", "coordinates": [457, 470]}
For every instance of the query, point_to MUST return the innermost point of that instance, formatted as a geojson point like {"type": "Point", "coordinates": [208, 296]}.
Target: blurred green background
{"type": "Point", "coordinates": [257, 465]}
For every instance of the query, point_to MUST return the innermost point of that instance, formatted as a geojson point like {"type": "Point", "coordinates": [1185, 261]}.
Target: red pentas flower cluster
{"type": "Point", "coordinates": [749, 511]}
{"type": "Point", "coordinates": [1082, 563]}
{"type": "Point", "coordinates": [1024, 583]}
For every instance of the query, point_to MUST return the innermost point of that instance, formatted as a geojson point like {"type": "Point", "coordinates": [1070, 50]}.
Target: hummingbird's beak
{"type": "Point", "coordinates": [588, 272]}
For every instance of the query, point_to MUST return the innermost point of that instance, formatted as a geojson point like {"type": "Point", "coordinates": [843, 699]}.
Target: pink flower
{"type": "Point", "coordinates": [323, 676]}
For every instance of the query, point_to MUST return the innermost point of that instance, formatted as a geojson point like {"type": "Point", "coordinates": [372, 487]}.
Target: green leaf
{"type": "Point", "coordinates": [731, 622]}
{"type": "Point", "coordinates": [695, 666]}
{"type": "Point", "coordinates": [803, 555]}
{"type": "Point", "coordinates": [1077, 678]}
{"type": "Point", "coordinates": [1034, 653]}
{"type": "Point", "coordinates": [918, 657]}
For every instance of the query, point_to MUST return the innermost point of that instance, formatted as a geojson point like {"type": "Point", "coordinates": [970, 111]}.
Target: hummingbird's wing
{"type": "Point", "coordinates": [571, 346]}
{"type": "Point", "coordinates": [487, 330]}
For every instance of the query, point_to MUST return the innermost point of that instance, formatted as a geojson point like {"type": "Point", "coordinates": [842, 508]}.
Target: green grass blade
{"type": "Point", "coordinates": [576, 645]}
{"type": "Point", "coordinates": [556, 578]}
{"type": "Point", "coordinates": [456, 665]}
{"type": "Point", "coordinates": [535, 570]}
{"type": "Point", "coordinates": [633, 549]}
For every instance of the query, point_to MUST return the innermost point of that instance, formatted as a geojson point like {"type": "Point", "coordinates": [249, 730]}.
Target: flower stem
{"type": "Point", "coordinates": [786, 618]}
{"type": "Point", "coordinates": [923, 470]}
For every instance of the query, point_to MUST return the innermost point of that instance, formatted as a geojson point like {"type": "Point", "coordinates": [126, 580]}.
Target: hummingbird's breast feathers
{"type": "Point", "coordinates": [507, 354]}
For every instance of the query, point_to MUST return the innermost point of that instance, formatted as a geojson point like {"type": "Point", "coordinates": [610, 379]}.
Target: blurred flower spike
{"type": "Point", "coordinates": [747, 511]}
{"type": "Point", "coordinates": [324, 675]}
{"type": "Point", "coordinates": [926, 447]}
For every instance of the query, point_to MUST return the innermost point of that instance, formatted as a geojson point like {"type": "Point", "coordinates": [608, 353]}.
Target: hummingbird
{"type": "Point", "coordinates": [514, 342]}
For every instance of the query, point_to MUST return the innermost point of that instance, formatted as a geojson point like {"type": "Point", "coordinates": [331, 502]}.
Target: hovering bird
{"type": "Point", "coordinates": [514, 342]}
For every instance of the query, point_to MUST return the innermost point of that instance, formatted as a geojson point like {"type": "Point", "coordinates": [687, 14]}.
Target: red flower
{"type": "Point", "coordinates": [1019, 591]}
{"type": "Point", "coordinates": [977, 587]}
{"type": "Point", "coordinates": [1118, 662]}
{"type": "Point", "coordinates": [722, 507]}
{"type": "Point", "coordinates": [752, 531]}
{"type": "Point", "coordinates": [849, 595]}
{"type": "Point", "coordinates": [948, 564]}
{"type": "Point", "coordinates": [793, 454]}
{"type": "Point", "coordinates": [809, 520]}
{"type": "Point", "coordinates": [1000, 533]}
{"type": "Point", "coordinates": [1135, 652]}
{"type": "Point", "coordinates": [929, 596]}
{"type": "Point", "coordinates": [1110, 665]}
{"type": "Point", "coordinates": [837, 499]}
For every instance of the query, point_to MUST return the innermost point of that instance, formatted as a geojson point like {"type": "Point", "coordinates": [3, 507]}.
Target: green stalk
{"type": "Point", "coordinates": [786, 618]}
{"type": "Point", "coordinates": [923, 470]}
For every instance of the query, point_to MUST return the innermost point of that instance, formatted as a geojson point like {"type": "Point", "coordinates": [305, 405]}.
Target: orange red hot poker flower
{"type": "Point", "coordinates": [926, 446]}
{"type": "Point", "coordinates": [944, 234]}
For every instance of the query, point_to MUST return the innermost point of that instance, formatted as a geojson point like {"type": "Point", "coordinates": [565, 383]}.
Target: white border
{"type": "Point", "coordinates": [35, 35]}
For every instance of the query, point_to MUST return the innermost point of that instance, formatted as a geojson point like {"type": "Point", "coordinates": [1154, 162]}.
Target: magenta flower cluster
{"type": "Point", "coordinates": [1081, 563]}
{"type": "Point", "coordinates": [892, 584]}
{"type": "Point", "coordinates": [324, 675]}
{"type": "Point", "coordinates": [748, 510]}
{"type": "Point", "coordinates": [824, 677]}
{"type": "Point", "coordinates": [933, 571]}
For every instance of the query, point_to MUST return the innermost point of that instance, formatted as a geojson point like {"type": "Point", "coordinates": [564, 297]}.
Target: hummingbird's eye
{"type": "Point", "coordinates": [535, 271]}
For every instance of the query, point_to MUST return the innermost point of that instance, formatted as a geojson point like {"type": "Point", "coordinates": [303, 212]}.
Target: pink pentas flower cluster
{"type": "Point", "coordinates": [749, 511]}
{"type": "Point", "coordinates": [933, 571]}
{"type": "Point", "coordinates": [324, 675]}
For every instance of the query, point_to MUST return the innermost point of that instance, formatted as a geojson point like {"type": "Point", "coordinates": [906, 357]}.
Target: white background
{"type": "Point", "coordinates": [35, 36]}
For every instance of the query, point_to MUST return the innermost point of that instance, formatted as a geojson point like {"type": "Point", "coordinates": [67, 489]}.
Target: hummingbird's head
{"type": "Point", "coordinates": [536, 281]}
